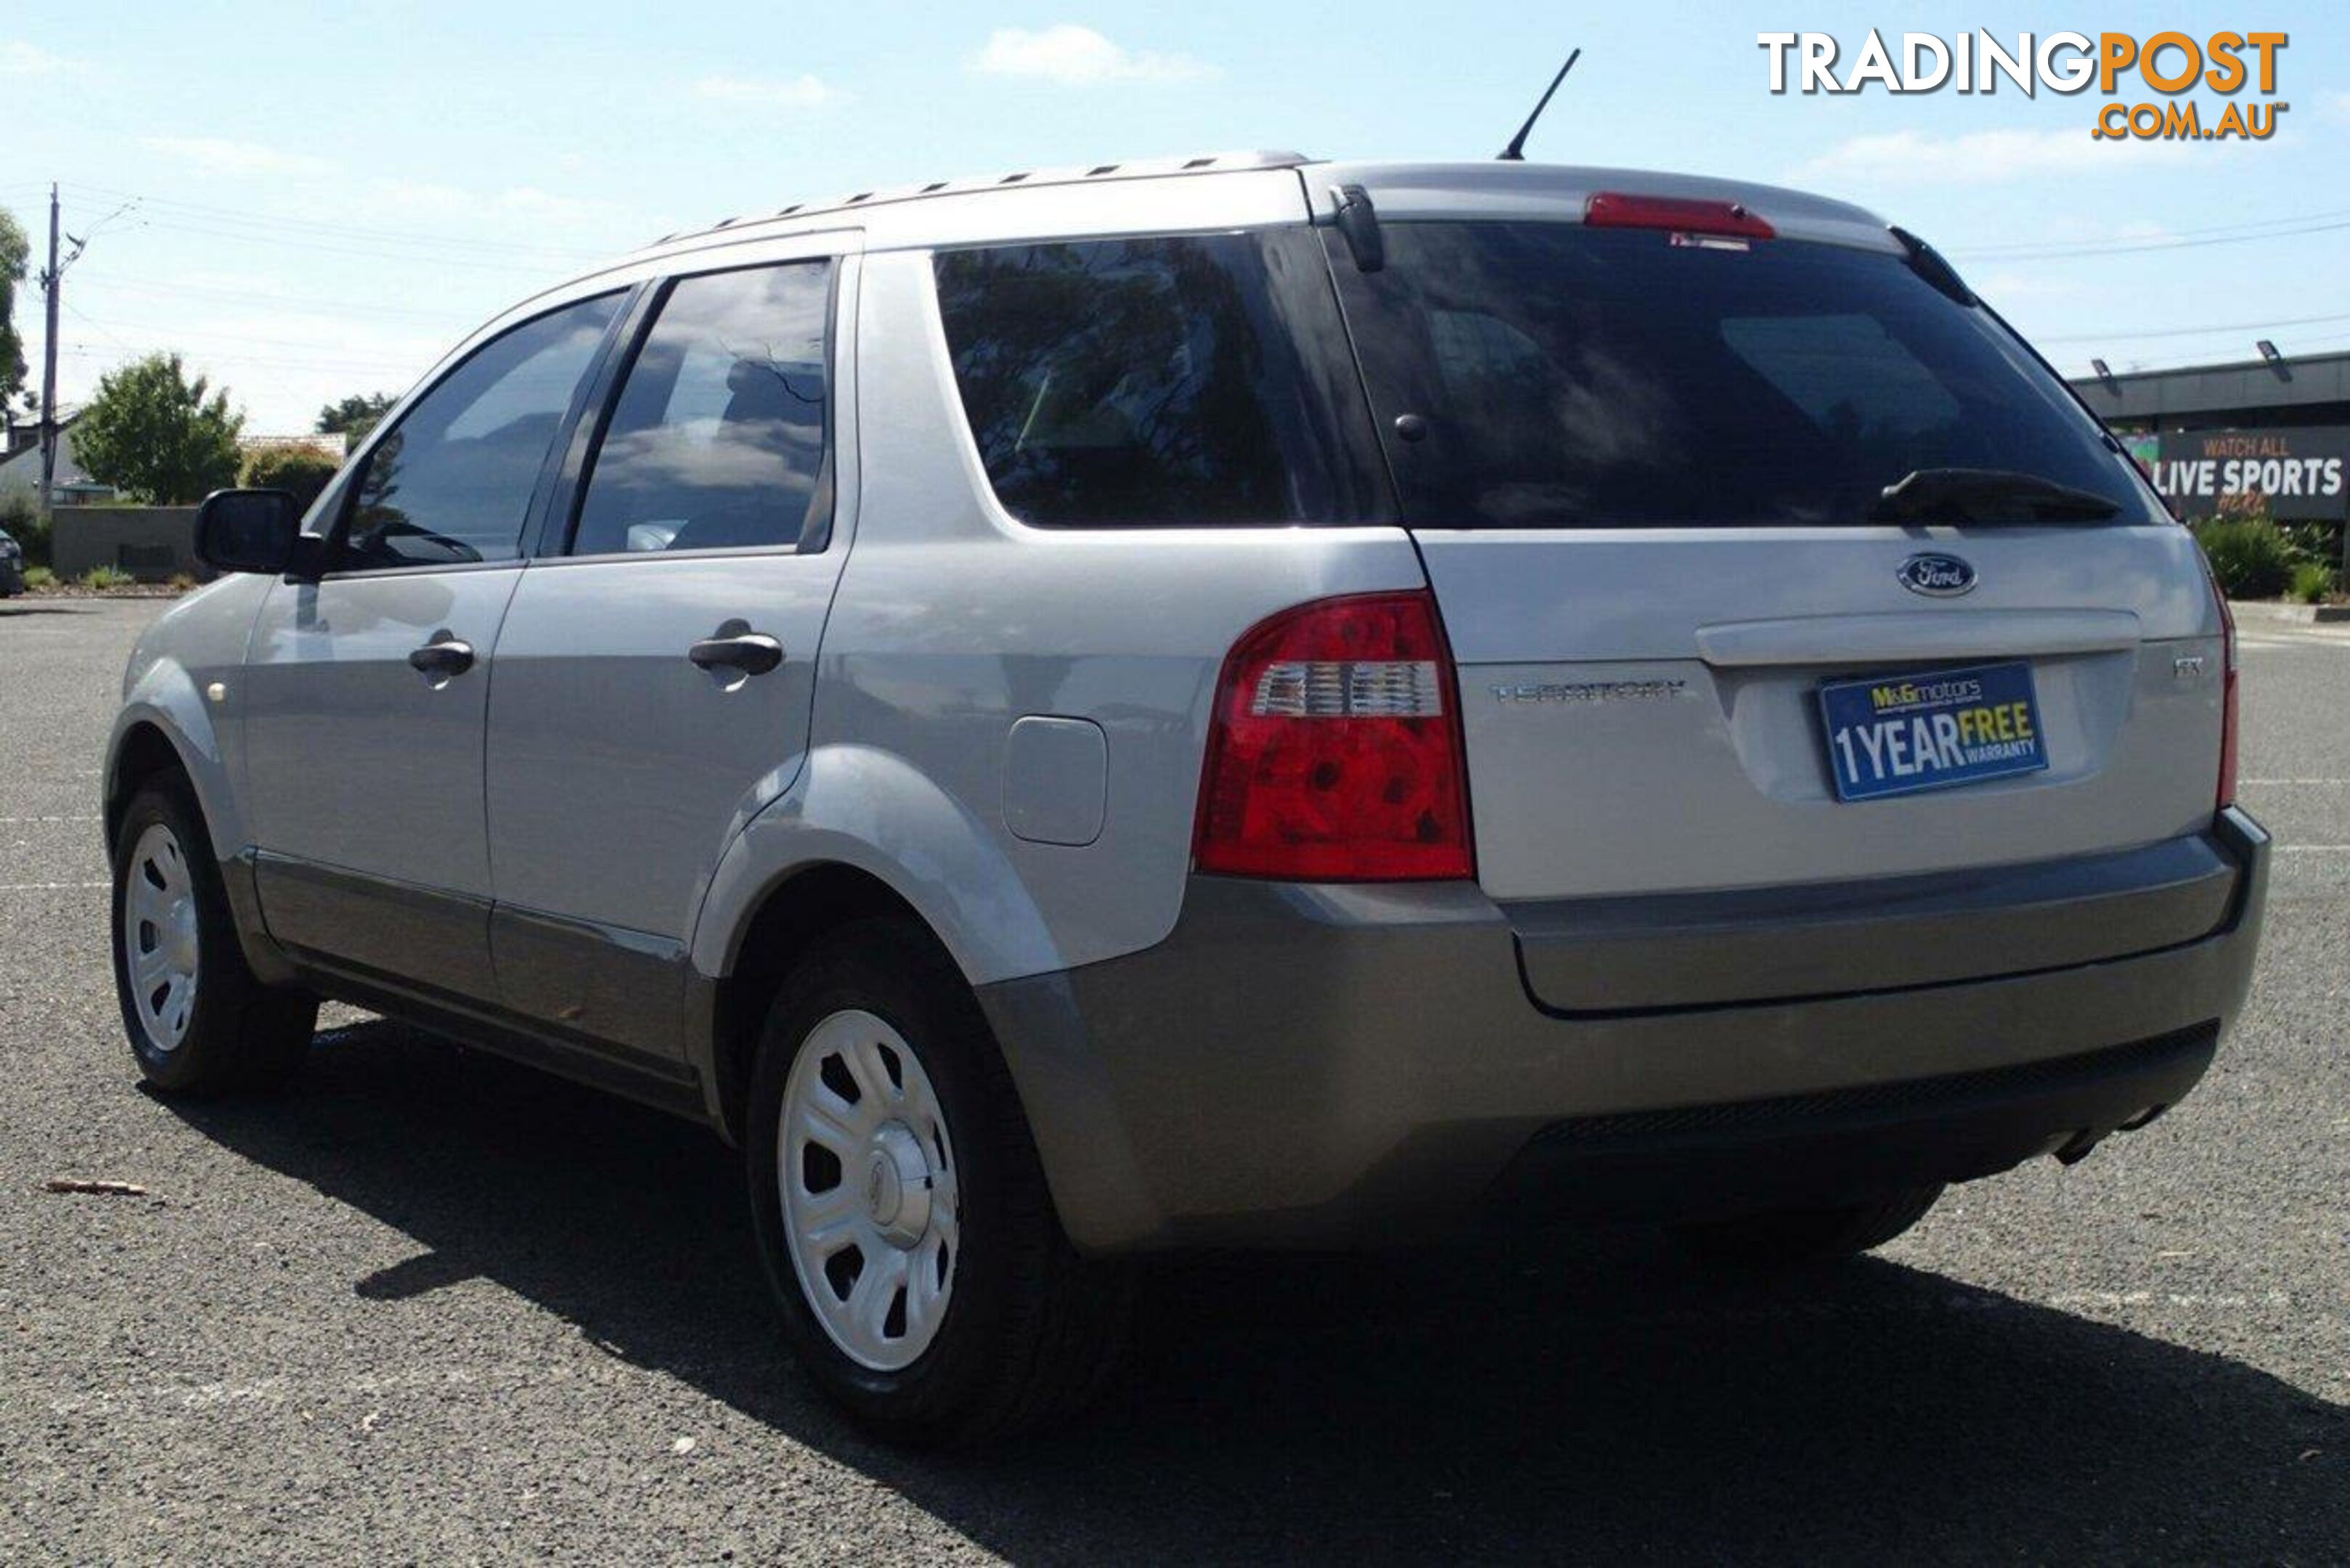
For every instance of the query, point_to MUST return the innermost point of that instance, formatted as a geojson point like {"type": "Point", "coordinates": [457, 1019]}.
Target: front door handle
{"type": "Point", "coordinates": [752, 652]}
{"type": "Point", "coordinates": [442, 657]}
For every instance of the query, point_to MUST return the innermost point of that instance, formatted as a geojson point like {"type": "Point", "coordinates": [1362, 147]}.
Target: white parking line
{"type": "Point", "coordinates": [50, 886]}
{"type": "Point", "coordinates": [92, 818]}
{"type": "Point", "coordinates": [2294, 781]}
{"type": "Point", "coordinates": [2313, 849]}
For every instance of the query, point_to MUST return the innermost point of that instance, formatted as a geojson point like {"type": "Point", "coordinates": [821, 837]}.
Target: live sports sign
{"type": "Point", "coordinates": [2294, 474]}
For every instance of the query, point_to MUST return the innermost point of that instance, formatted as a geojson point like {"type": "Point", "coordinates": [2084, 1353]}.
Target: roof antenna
{"type": "Point", "coordinates": [1516, 152]}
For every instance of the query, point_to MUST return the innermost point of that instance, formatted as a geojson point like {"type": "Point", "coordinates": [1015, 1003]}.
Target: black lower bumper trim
{"type": "Point", "coordinates": [1841, 1144]}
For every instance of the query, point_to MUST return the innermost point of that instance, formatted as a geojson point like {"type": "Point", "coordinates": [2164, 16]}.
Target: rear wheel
{"type": "Point", "coordinates": [900, 1210]}
{"type": "Point", "coordinates": [1792, 1237]}
{"type": "Point", "coordinates": [198, 1021]}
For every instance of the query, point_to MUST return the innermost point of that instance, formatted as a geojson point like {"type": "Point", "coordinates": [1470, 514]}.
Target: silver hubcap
{"type": "Point", "coordinates": [868, 1181]}
{"type": "Point", "coordinates": [159, 950]}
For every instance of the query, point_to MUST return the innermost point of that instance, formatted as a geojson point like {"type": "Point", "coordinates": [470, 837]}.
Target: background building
{"type": "Point", "coordinates": [2269, 436]}
{"type": "Point", "coordinates": [20, 465]}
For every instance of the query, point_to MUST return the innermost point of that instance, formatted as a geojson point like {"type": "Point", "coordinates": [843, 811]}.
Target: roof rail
{"type": "Point", "coordinates": [1132, 169]}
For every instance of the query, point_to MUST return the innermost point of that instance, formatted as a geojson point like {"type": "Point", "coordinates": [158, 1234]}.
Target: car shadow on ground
{"type": "Point", "coordinates": [1551, 1397]}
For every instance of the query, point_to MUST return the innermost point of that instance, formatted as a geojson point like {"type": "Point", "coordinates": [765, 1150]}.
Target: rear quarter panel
{"type": "Point", "coordinates": [953, 621]}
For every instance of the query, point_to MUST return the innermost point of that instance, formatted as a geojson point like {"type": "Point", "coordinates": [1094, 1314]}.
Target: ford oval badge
{"type": "Point", "coordinates": [1938, 576]}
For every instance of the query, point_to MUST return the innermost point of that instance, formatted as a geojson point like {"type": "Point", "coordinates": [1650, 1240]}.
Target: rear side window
{"type": "Point", "coordinates": [1570, 376]}
{"type": "Point", "coordinates": [718, 441]}
{"type": "Point", "coordinates": [452, 482]}
{"type": "Point", "coordinates": [1161, 381]}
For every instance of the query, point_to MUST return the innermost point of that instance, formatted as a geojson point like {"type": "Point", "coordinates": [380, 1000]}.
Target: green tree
{"type": "Point", "coordinates": [157, 436]}
{"type": "Point", "coordinates": [300, 469]}
{"type": "Point", "coordinates": [355, 416]}
{"type": "Point", "coordinates": [14, 250]}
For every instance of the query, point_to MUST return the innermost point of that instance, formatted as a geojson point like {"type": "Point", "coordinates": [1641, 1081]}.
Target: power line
{"type": "Point", "coordinates": [166, 333]}
{"type": "Point", "coordinates": [206, 213]}
{"type": "Point", "coordinates": [2240, 227]}
{"type": "Point", "coordinates": [2189, 331]}
{"type": "Point", "coordinates": [100, 326]}
{"type": "Point", "coordinates": [2140, 368]}
{"type": "Point", "coordinates": [2082, 252]}
{"type": "Point", "coordinates": [373, 369]}
{"type": "Point", "coordinates": [405, 257]}
{"type": "Point", "coordinates": [411, 243]}
{"type": "Point", "coordinates": [271, 382]}
{"type": "Point", "coordinates": [261, 296]}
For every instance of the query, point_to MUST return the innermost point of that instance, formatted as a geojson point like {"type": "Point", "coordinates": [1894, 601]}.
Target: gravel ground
{"type": "Point", "coordinates": [432, 1307]}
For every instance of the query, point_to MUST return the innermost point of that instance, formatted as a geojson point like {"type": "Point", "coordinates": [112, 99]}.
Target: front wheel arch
{"type": "Point", "coordinates": [144, 755]}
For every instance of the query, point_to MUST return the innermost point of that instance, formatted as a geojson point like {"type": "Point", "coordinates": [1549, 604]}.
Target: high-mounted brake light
{"type": "Point", "coordinates": [1335, 752]}
{"type": "Point", "coordinates": [1682, 214]}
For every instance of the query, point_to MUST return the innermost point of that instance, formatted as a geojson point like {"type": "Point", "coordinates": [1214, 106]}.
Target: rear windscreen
{"type": "Point", "coordinates": [1196, 379]}
{"type": "Point", "coordinates": [1570, 376]}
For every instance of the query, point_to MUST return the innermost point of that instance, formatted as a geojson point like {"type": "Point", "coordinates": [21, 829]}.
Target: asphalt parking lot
{"type": "Point", "coordinates": [432, 1307]}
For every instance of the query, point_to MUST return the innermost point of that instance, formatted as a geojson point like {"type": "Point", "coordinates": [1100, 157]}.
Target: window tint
{"type": "Point", "coordinates": [1165, 381]}
{"type": "Point", "coordinates": [1610, 377]}
{"type": "Point", "coordinates": [719, 437]}
{"type": "Point", "coordinates": [452, 481]}
{"type": "Point", "coordinates": [1843, 368]}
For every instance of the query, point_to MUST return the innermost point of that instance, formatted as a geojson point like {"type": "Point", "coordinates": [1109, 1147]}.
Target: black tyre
{"type": "Point", "coordinates": [900, 1210]}
{"type": "Point", "coordinates": [1793, 1238]}
{"type": "Point", "coordinates": [199, 1022]}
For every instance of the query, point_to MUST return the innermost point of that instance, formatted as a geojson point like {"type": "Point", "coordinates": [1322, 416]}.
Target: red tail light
{"type": "Point", "coordinates": [1615, 210]}
{"type": "Point", "coordinates": [1335, 752]}
{"type": "Point", "coordinates": [2227, 792]}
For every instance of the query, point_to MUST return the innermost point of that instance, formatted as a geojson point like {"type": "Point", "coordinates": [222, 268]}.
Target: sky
{"type": "Point", "coordinates": [308, 201]}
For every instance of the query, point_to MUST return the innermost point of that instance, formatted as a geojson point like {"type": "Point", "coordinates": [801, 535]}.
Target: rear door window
{"type": "Point", "coordinates": [719, 440]}
{"type": "Point", "coordinates": [1166, 380]}
{"type": "Point", "coordinates": [1570, 376]}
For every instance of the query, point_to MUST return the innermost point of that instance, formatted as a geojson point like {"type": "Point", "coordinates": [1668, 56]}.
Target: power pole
{"type": "Point", "coordinates": [51, 282]}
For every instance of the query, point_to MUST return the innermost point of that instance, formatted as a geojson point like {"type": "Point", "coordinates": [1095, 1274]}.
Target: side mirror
{"type": "Point", "coordinates": [249, 530]}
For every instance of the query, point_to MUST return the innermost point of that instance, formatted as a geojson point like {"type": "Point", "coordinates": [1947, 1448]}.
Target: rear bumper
{"type": "Point", "coordinates": [1337, 1066]}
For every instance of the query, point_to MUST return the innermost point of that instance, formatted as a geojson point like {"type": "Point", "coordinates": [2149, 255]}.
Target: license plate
{"type": "Point", "coordinates": [1899, 735]}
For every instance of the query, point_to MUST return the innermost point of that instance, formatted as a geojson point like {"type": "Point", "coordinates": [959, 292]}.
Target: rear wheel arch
{"type": "Point", "coordinates": [791, 917]}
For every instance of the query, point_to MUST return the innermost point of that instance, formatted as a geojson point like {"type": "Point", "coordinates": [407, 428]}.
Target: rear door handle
{"type": "Point", "coordinates": [444, 656]}
{"type": "Point", "coordinates": [752, 652]}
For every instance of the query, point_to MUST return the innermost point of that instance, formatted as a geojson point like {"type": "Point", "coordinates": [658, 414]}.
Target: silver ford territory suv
{"type": "Point", "coordinates": [1239, 702]}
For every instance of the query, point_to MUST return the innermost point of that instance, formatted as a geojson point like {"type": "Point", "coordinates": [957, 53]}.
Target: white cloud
{"type": "Point", "coordinates": [1078, 57]}
{"type": "Point", "coordinates": [18, 58]}
{"type": "Point", "coordinates": [1984, 157]}
{"type": "Point", "coordinates": [219, 155]}
{"type": "Point", "coordinates": [2333, 109]}
{"type": "Point", "coordinates": [799, 92]}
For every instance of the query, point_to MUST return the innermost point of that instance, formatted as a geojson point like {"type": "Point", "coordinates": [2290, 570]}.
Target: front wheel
{"type": "Point", "coordinates": [1793, 1238]}
{"type": "Point", "coordinates": [900, 1210]}
{"type": "Point", "coordinates": [198, 1021]}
